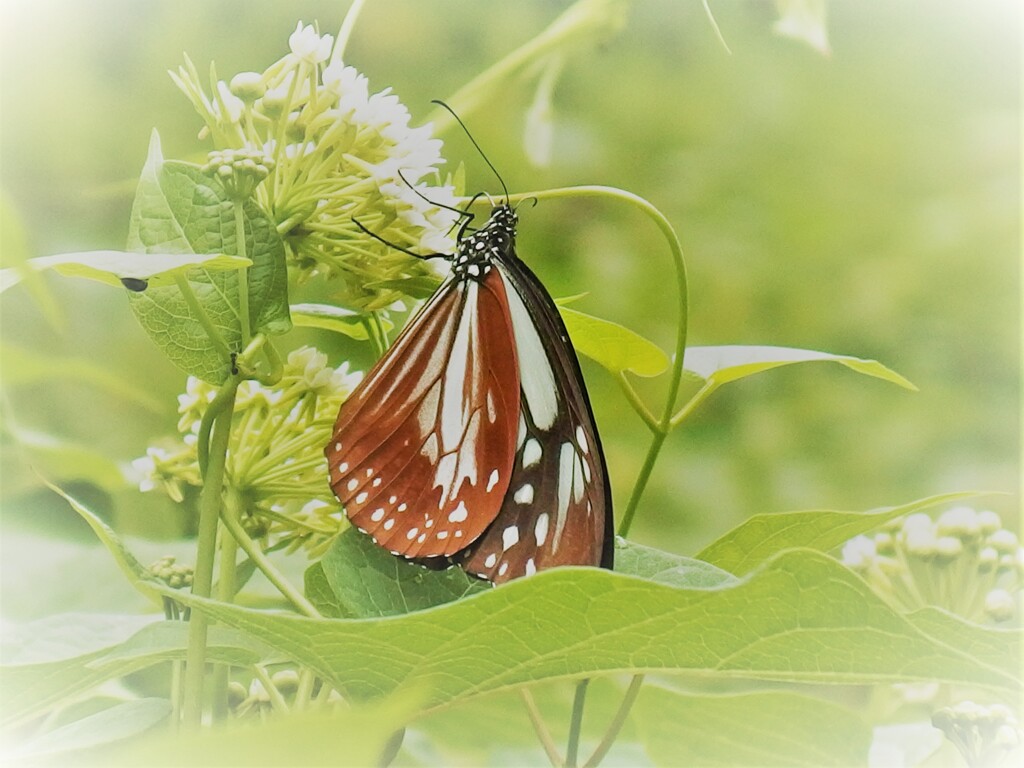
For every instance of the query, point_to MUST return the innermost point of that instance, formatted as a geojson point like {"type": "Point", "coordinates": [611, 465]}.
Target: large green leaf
{"type": "Point", "coordinates": [337, 319]}
{"type": "Point", "coordinates": [613, 346]}
{"type": "Point", "coordinates": [762, 536]}
{"type": "Point", "coordinates": [64, 459]}
{"type": "Point", "coordinates": [664, 567]}
{"type": "Point", "coordinates": [354, 736]}
{"type": "Point", "coordinates": [119, 722]}
{"type": "Point", "coordinates": [721, 365]}
{"type": "Point", "coordinates": [368, 581]}
{"type": "Point", "coordinates": [179, 209]}
{"type": "Point", "coordinates": [14, 257]}
{"type": "Point", "coordinates": [801, 617]}
{"type": "Point", "coordinates": [764, 729]}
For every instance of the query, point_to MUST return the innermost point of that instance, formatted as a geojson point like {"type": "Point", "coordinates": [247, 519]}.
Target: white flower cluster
{"type": "Point", "coordinates": [275, 458]}
{"type": "Point", "coordinates": [341, 159]}
{"type": "Point", "coordinates": [965, 561]}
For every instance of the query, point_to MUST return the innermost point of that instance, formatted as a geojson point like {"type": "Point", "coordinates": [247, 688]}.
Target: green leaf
{"type": "Point", "coordinates": [761, 537]}
{"type": "Point", "coordinates": [337, 319]}
{"type": "Point", "coordinates": [612, 346]}
{"type": "Point", "coordinates": [113, 724]}
{"type": "Point", "coordinates": [138, 575]}
{"type": "Point", "coordinates": [721, 365]}
{"type": "Point", "coordinates": [802, 617]}
{"type": "Point", "coordinates": [168, 640]}
{"type": "Point", "coordinates": [354, 736]}
{"type": "Point", "coordinates": [66, 460]}
{"type": "Point", "coordinates": [368, 581]}
{"type": "Point", "coordinates": [112, 267]}
{"type": "Point", "coordinates": [419, 287]}
{"type": "Point", "coordinates": [665, 568]}
{"type": "Point", "coordinates": [318, 590]}
{"type": "Point", "coordinates": [994, 646]}
{"type": "Point", "coordinates": [763, 729]}
{"type": "Point", "coordinates": [23, 367]}
{"type": "Point", "coordinates": [14, 252]}
{"type": "Point", "coordinates": [179, 209]}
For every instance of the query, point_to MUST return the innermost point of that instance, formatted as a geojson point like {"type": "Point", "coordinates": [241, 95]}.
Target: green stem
{"type": "Point", "coordinates": [543, 734]}
{"type": "Point", "coordinates": [637, 403]}
{"type": "Point", "coordinates": [345, 32]}
{"type": "Point", "coordinates": [243, 274]}
{"type": "Point", "coordinates": [200, 314]}
{"type": "Point", "coordinates": [276, 699]}
{"type": "Point", "coordinates": [664, 423]}
{"type": "Point", "coordinates": [617, 722]}
{"type": "Point", "coordinates": [217, 406]}
{"type": "Point", "coordinates": [227, 586]}
{"type": "Point", "coordinates": [274, 576]}
{"type": "Point", "coordinates": [202, 580]}
{"type": "Point", "coordinates": [701, 395]}
{"type": "Point", "coordinates": [576, 723]}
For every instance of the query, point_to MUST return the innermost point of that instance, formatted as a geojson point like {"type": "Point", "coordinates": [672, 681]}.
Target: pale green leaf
{"type": "Point", "coordinates": [721, 365]}
{"type": "Point", "coordinates": [773, 728]}
{"type": "Point", "coordinates": [64, 459]}
{"type": "Point", "coordinates": [665, 568]}
{"type": "Point", "coordinates": [168, 640]}
{"type": "Point", "coordinates": [804, 21]}
{"type": "Point", "coordinates": [26, 367]}
{"type": "Point", "coordinates": [118, 722]}
{"type": "Point", "coordinates": [805, 618]}
{"type": "Point", "coordinates": [612, 346]}
{"type": "Point", "coordinates": [179, 209]}
{"type": "Point", "coordinates": [14, 253]}
{"type": "Point", "coordinates": [337, 319]}
{"type": "Point", "coordinates": [761, 537]}
{"type": "Point", "coordinates": [112, 267]}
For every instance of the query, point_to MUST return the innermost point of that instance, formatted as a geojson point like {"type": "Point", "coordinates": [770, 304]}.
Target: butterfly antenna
{"type": "Point", "coordinates": [396, 246]}
{"type": "Point", "coordinates": [462, 213]}
{"type": "Point", "coordinates": [470, 136]}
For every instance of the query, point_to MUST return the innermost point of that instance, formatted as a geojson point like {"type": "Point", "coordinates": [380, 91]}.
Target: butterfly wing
{"type": "Point", "coordinates": [558, 508]}
{"type": "Point", "coordinates": [422, 450]}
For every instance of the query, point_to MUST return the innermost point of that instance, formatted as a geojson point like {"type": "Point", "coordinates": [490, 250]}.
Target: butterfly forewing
{"type": "Point", "coordinates": [557, 510]}
{"type": "Point", "coordinates": [423, 449]}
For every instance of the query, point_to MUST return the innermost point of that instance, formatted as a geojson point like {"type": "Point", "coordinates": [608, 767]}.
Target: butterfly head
{"type": "Point", "coordinates": [495, 240]}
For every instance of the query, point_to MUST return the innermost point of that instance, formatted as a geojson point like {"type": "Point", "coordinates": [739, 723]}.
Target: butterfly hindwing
{"type": "Point", "coordinates": [557, 510]}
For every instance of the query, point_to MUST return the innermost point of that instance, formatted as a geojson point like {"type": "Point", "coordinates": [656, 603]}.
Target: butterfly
{"type": "Point", "coordinates": [472, 440]}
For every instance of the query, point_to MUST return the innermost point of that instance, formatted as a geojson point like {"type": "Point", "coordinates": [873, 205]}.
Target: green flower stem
{"type": "Point", "coordinates": [200, 315]}
{"type": "Point", "coordinates": [617, 722]}
{"type": "Point", "coordinates": [664, 424]}
{"type": "Point", "coordinates": [227, 586]}
{"type": "Point", "coordinates": [637, 403]}
{"type": "Point", "coordinates": [274, 576]}
{"type": "Point", "coordinates": [576, 723]}
{"type": "Point", "coordinates": [276, 699]}
{"type": "Point", "coordinates": [243, 274]}
{"type": "Point", "coordinates": [701, 395]}
{"type": "Point", "coordinates": [221, 409]}
{"type": "Point", "coordinates": [583, 19]}
{"type": "Point", "coordinates": [543, 734]}
{"type": "Point", "coordinates": [345, 32]}
{"type": "Point", "coordinates": [304, 692]}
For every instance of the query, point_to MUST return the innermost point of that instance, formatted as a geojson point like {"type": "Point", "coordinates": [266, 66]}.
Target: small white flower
{"type": "Point", "coordinates": [999, 604]}
{"type": "Point", "coordinates": [859, 552]}
{"type": "Point", "coordinates": [306, 44]}
{"type": "Point", "coordinates": [232, 103]}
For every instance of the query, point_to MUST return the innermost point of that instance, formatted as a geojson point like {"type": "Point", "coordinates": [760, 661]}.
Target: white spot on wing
{"type": "Point", "coordinates": [540, 530]}
{"type": "Point", "coordinates": [577, 478]}
{"type": "Point", "coordinates": [453, 401]}
{"type": "Point", "coordinates": [531, 567]}
{"type": "Point", "coordinates": [459, 514]}
{"type": "Point", "coordinates": [352, 484]}
{"type": "Point", "coordinates": [581, 439]}
{"type": "Point", "coordinates": [565, 474]}
{"type": "Point", "coordinates": [492, 480]}
{"type": "Point", "coordinates": [531, 453]}
{"type": "Point", "coordinates": [503, 569]}
{"type": "Point", "coordinates": [524, 495]}
{"type": "Point", "coordinates": [377, 515]}
{"type": "Point", "coordinates": [491, 560]}
{"type": "Point", "coordinates": [509, 537]}
{"type": "Point", "coordinates": [361, 497]}
{"type": "Point", "coordinates": [389, 524]}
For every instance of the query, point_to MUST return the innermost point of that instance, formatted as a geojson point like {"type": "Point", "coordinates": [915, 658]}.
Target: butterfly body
{"type": "Point", "coordinates": [472, 440]}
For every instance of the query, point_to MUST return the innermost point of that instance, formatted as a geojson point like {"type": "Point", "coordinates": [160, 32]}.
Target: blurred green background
{"type": "Point", "coordinates": [864, 203]}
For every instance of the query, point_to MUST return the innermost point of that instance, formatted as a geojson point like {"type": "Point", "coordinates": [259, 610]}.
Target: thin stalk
{"type": "Point", "coordinates": [227, 586]}
{"type": "Point", "coordinates": [274, 576]}
{"type": "Point", "coordinates": [576, 723]}
{"type": "Point", "coordinates": [200, 314]}
{"type": "Point", "coordinates": [345, 32]}
{"type": "Point", "coordinates": [615, 726]}
{"type": "Point", "coordinates": [202, 580]}
{"type": "Point", "coordinates": [699, 397]}
{"type": "Point", "coordinates": [304, 692]}
{"type": "Point", "coordinates": [543, 734]}
{"type": "Point", "coordinates": [276, 699]}
{"type": "Point", "coordinates": [637, 403]}
{"type": "Point", "coordinates": [243, 274]}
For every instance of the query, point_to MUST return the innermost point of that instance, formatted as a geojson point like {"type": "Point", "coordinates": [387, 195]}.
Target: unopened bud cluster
{"type": "Point", "coordinates": [332, 154]}
{"type": "Point", "coordinates": [965, 561]}
{"type": "Point", "coordinates": [171, 573]}
{"type": "Point", "coordinates": [275, 460]}
{"type": "Point", "coordinates": [239, 170]}
{"type": "Point", "coordinates": [983, 734]}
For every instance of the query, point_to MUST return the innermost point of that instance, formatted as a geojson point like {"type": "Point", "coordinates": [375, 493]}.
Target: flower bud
{"type": "Point", "coordinates": [248, 86]}
{"type": "Point", "coordinates": [989, 521]}
{"type": "Point", "coordinates": [1003, 540]}
{"type": "Point", "coordinates": [988, 558]}
{"type": "Point", "coordinates": [959, 521]}
{"type": "Point", "coordinates": [286, 681]}
{"type": "Point", "coordinates": [948, 548]}
{"type": "Point", "coordinates": [999, 605]}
